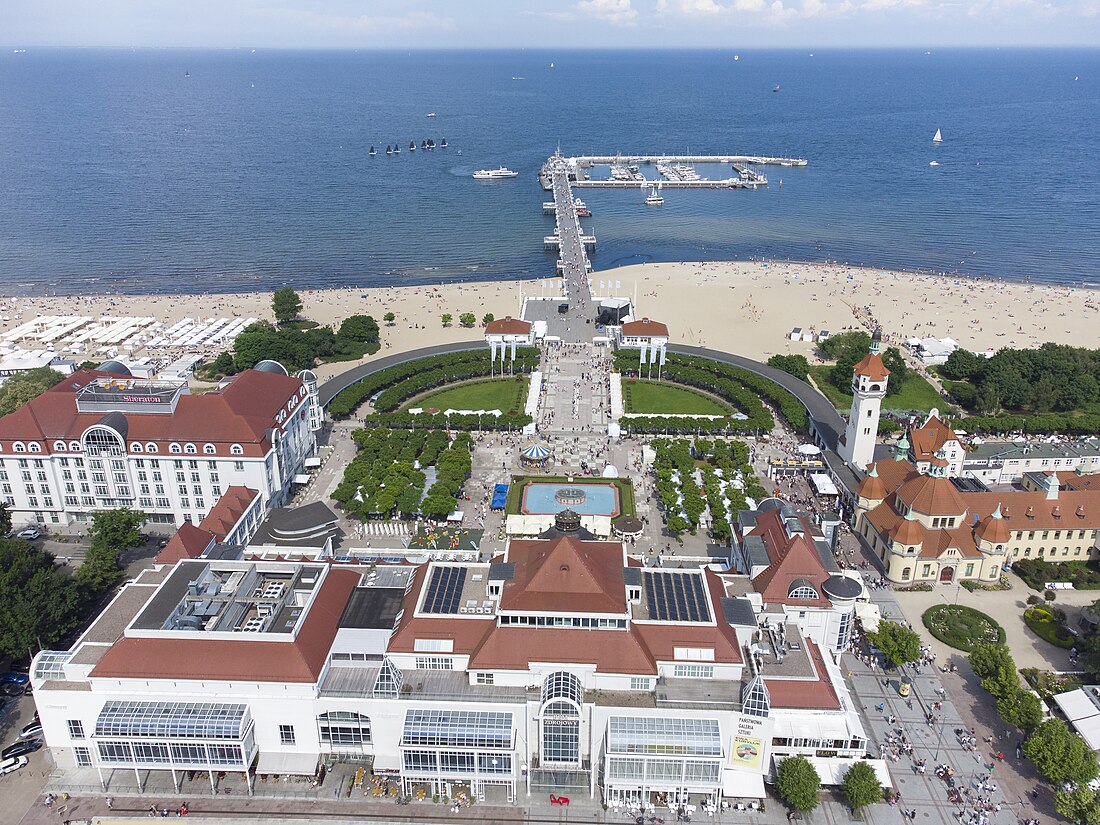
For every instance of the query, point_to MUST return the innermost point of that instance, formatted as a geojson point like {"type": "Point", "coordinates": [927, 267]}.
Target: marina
{"type": "Point", "coordinates": [673, 171]}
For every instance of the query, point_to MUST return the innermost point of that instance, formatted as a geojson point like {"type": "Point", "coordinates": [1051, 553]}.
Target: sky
{"type": "Point", "coordinates": [432, 24]}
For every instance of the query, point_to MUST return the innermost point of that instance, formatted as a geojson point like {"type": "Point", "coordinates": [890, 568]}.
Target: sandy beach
{"type": "Point", "coordinates": [743, 307]}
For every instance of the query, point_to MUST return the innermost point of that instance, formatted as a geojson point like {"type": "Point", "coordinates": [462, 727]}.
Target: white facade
{"type": "Point", "coordinates": [861, 432]}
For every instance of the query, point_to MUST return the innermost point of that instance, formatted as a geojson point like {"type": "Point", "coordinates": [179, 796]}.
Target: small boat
{"type": "Point", "coordinates": [495, 174]}
{"type": "Point", "coordinates": [551, 65]}
{"type": "Point", "coordinates": [431, 114]}
{"type": "Point", "coordinates": [396, 149]}
{"type": "Point", "coordinates": [443, 143]}
{"type": "Point", "coordinates": [389, 149]}
{"type": "Point", "coordinates": [654, 198]}
{"type": "Point", "coordinates": [582, 208]}
{"type": "Point", "coordinates": [775, 88]}
{"type": "Point", "coordinates": [937, 138]}
{"type": "Point", "coordinates": [934, 163]}
{"type": "Point", "coordinates": [372, 152]}
{"type": "Point", "coordinates": [423, 144]}
{"type": "Point", "coordinates": [412, 145]}
{"type": "Point", "coordinates": [187, 74]}
{"type": "Point", "coordinates": [736, 57]}
{"type": "Point", "coordinates": [431, 143]}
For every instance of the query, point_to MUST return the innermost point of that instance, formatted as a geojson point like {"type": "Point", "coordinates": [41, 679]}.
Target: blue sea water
{"type": "Point", "coordinates": [158, 170]}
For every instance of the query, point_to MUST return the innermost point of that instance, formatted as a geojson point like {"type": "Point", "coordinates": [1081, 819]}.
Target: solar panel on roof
{"type": "Point", "coordinates": [676, 597]}
{"type": "Point", "coordinates": [445, 590]}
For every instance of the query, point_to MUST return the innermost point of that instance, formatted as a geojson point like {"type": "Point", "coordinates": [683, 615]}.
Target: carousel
{"type": "Point", "coordinates": [534, 455]}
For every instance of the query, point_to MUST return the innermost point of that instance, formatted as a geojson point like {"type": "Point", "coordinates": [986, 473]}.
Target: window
{"type": "Point", "coordinates": [435, 663]}
{"type": "Point", "coordinates": [698, 654]}
{"type": "Point", "coordinates": [344, 729]}
{"type": "Point", "coordinates": [190, 449]}
{"type": "Point", "coordinates": [286, 734]}
{"type": "Point", "coordinates": [76, 729]}
{"type": "Point", "coordinates": [208, 449]}
{"type": "Point", "coordinates": [433, 645]}
{"type": "Point", "coordinates": [136, 447]}
{"type": "Point", "coordinates": [693, 671]}
{"type": "Point", "coordinates": [236, 449]}
{"type": "Point", "coordinates": [150, 447]}
{"type": "Point", "coordinates": [174, 448]}
{"type": "Point", "coordinates": [35, 447]}
{"type": "Point", "coordinates": [483, 678]}
{"type": "Point", "coordinates": [640, 683]}
{"type": "Point", "coordinates": [238, 466]}
{"type": "Point", "coordinates": [83, 757]}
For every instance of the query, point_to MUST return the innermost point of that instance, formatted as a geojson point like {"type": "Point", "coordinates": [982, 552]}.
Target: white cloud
{"type": "Point", "coordinates": [619, 12]}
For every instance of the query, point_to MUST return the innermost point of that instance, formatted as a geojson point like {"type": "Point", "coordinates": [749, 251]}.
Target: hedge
{"type": "Point", "coordinates": [1041, 622]}
{"type": "Point", "coordinates": [403, 381]}
{"type": "Point", "coordinates": [962, 627]}
{"type": "Point", "coordinates": [740, 387]}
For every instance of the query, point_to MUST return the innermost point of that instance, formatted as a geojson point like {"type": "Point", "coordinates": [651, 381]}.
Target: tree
{"type": "Point", "coordinates": [113, 531]}
{"type": "Point", "coordinates": [897, 642]}
{"type": "Point", "coordinates": [488, 318]}
{"type": "Point", "coordinates": [1060, 755]}
{"type": "Point", "coordinates": [389, 318]}
{"type": "Point", "coordinates": [447, 318]}
{"type": "Point", "coordinates": [362, 328]}
{"type": "Point", "coordinates": [224, 363]}
{"type": "Point", "coordinates": [467, 319]}
{"type": "Point", "coordinates": [1080, 805]}
{"type": "Point", "coordinates": [989, 659]}
{"type": "Point", "coordinates": [962, 364]}
{"type": "Point", "coordinates": [286, 304]}
{"type": "Point", "coordinates": [5, 519]}
{"type": "Point", "coordinates": [23, 387]}
{"type": "Point", "coordinates": [38, 603]}
{"type": "Point", "coordinates": [798, 783]}
{"type": "Point", "coordinates": [861, 786]}
{"type": "Point", "coordinates": [796, 365]}
{"type": "Point", "coordinates": [1021, 709]}
{"type": "Point", "coordinates": [899, 371]}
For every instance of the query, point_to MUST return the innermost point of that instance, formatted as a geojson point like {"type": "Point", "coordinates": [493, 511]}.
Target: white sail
{"type": "Point", "coordinates": [938, 138]}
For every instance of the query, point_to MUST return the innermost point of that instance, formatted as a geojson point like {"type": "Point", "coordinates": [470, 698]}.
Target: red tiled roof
{"type": "Point", "coordinates": [227, 511]}
{"type": "Point", "coordinates": [792, 557]}
{"type": "Point", "coordinates": [993, 530]}
{"type": "Point", "coordinates": [872, 487]}
{"type": "Point", "coordinates": [872, 367]}
{"type": "Point", "coordinates": [241, 412]}
{"type": "Point", "coordinates": [645, 328]}
{"type": "Point", "coordinates": [564, 573]}
{"type": "Point", "coordinates": [249, 659]}
{"type": "Point", "coordinates": [611, 651]}
{"type": "Point", "coordinates": [927, 439]}
{"type": "Point", "coordinates": [908, 531]}
{"type": "Point", "coordinates": [800, 693]}
{"type": "Point", "coordinates": [508, 326]}
{"type": "Point", "coordinates": [188, 542]}
{"type": "Point", "coordinates": [932, 496]}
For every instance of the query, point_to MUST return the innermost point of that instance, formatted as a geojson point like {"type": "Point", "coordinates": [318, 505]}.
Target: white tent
{"type": "Point", "coordinates": [809, 449]}
{"type": "Point", "coordinates": [610, 471]}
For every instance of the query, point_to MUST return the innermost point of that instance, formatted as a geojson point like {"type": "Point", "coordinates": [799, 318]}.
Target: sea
{"type": "Point", "coordinates": [141, 171]}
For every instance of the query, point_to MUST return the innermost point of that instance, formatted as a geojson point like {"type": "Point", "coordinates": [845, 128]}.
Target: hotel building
{"type": "Point", "coordinates": [103, 439]}
{"type": "Point", "coordinates": [562, 666]}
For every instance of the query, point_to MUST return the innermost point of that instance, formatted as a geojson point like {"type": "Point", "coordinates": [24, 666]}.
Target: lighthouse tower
{"type": "Point", "coordinates": [869, 379]}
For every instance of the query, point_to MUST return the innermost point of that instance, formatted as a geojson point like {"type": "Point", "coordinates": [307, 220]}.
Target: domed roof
{"type": "Point", "coordinates": [115, 368]}
{"type": "Point", "coordinates": [872, 487]}
{"type": "Point", "coordinates": [909, 531]}
{"type": "Point", "coordinates": [842, 587]}
{"type": "Point", "coordinates": [993, 528]}
{"type": "Point", "coordinates": [274, 367]}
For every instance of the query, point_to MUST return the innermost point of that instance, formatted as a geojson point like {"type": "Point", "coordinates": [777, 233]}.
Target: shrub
{"type": "Point", "coordinates": [962, 627]}
{"type": "Point", "coordinates": [1042, 623]}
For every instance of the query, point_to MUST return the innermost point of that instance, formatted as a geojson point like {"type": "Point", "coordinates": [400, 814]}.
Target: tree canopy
{"type": "Point", "coordinates": [361, 328]}
{"type": "Point", "coordinates": [24, 387]}
{"type": "Point", "coordinates": [861, 786]}
{"type": "Point", "coordinates": [796, 365]}
{"type": "Point", "coordinates": [298, 349]}
{"type": "Point", "coordinates": [112, 533]}
{"type": "Point", "coordinates": [467, 319]}
{"type": "Point", "coordinates": [1052, 378]}
{"type": "Point", "coordinates": [285, 304]}
{"type": "Point", "coordinates": [798, 783]}
{"type": "Point", "coordinates": [1081, 805]}
{"type": "Point", "coordinates": [39, 604]}
{"type": "Point", "coordinates": [1059, 754]}
{"type": "Point", "coordinates": [897, 642]}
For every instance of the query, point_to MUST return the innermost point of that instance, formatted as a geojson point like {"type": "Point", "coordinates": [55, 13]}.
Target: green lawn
{"type": "Point", "coordinates": [916, 393]}
{"type": "Point", "coordinates": [659, 398]}
{"type": "Point", "coordinates": [504, 394]}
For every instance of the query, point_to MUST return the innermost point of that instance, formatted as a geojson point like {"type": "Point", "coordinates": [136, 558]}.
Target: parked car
{"type": "Point", "coordinates": [30, 534]}
{"type": "Point", "coordinates": [21, 748]}
{"type": "Point", "coordinates": [31, 729]}
{"type": "Point", "coordinates": [12, 677]}
{"type": "Point", "coordinates": [13, 764]}
{"type": "Point", "coordinates": [12, 689]}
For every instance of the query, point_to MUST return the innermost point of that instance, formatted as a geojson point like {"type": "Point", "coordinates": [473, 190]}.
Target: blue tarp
{"type": "Point", "coordinates": [500, 495]}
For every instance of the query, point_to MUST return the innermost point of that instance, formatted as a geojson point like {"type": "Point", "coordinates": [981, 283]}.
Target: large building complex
{"type": "Point", "coordinates": [103, 439]}
{"type": "Point", "coordinates": [562, 665]}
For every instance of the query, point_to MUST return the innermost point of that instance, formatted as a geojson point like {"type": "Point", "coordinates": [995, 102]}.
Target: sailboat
{"type": "Point", "coordinates": [372, 152]}
{"type": "Point", "coordinates": [937, 138]}
{"type": "Point", "coordinates": [654, 198]}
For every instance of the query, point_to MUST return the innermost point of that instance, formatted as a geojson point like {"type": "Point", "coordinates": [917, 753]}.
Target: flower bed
{"type": "Point", "coordinates": [962, 627]}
